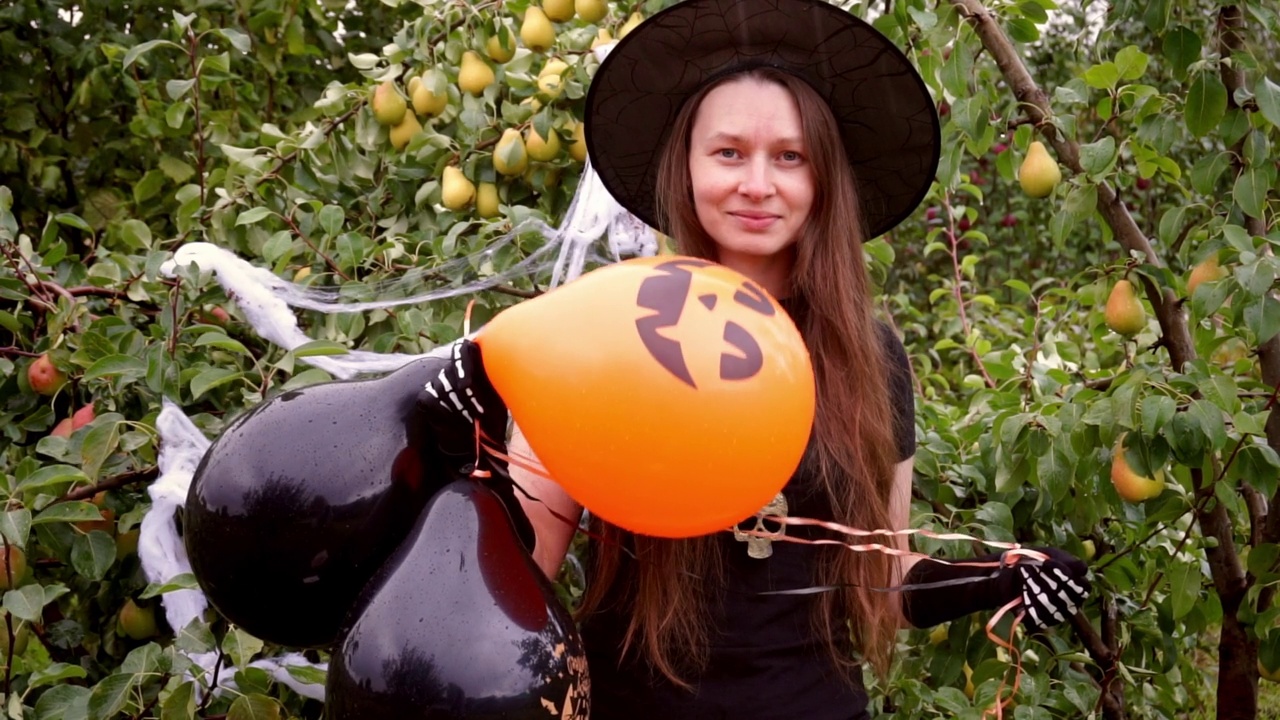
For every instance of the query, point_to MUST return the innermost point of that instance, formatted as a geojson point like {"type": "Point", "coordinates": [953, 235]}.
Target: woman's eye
{"type": "Point", "coordinates": [728, 152]}
{"type": "Point", "coordinates": [791, 156]}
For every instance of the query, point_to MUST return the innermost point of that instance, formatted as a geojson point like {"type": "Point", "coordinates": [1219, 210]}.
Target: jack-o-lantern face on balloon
{"type": "Point", "coordinates": [670, 396]}
{"type": "Point", "coordinates": [667, 292]}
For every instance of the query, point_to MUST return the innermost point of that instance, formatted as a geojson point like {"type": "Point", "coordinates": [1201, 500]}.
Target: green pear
{"type": "Point", "coordinates": [537, 32]}
{"type": "Point", "coordinates": [401, 134]}
{"type": "Point", "coordinates": [456, 190]}
{"type": "Point", "coordinates": [558, 10]}
{"type": "Point", "coordinates": [475, 74]}
{"type": "Point", "coordinates": [487, 204]}
{"type": "Point", "coordinates": [388, 105]}
{"type": "Point", "coordinates": [591, 10]}
{"type": "Point", "coordinates": [1207, 271]}
{"type": "Point", "coordinates": [1125, 313]}
{"type": "Point", "coordinates": [539, 148]}
{"type": "Point", "coordinates": [498, 52]}
{"type": "Point", "coordinates": [1039, 173]}
{"type": "Point", "coordinates": [510, 156]}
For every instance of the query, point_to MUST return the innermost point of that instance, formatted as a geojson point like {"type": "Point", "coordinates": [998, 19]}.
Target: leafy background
{"type": "Point", "coordinates": [130, 128]}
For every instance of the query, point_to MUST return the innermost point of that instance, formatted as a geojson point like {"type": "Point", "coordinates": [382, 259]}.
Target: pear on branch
{"type": "Point", "coordinates": [1039, 173]}
{"type": "Point", "coordinates": [1125, 313]}
{"type": "Point", "coordinates": [456, 190]}
{"type": "Point", "coordinates": [558, 10]}
{"type": "Point", "coordinates": [429, 95]}
{"type": "Point", "coordinates": [539, 148]}
{"type": "Point", "coordinates": [401, 134]}
{"type": "Point", "coordinates": [388, 105]}
{"type": "Point", "coordinates": [591, 10]}
{"type": "Point", "coordinates": [510, 156]}
{"type": "Point", "coordinates": [487, 203]}
{"type": "Point", "coordinates": [474, 75]}
{"type": "Point", "coordinates": [1207, 271]}
{"type": "Point", "coordinates": [537, 33]}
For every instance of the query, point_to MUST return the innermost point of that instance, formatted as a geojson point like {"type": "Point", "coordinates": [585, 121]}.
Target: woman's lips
{"type": "Point", "coordinates": [754, 220]}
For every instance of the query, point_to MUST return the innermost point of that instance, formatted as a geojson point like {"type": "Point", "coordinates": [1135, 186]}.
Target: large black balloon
{"type": "Point", "coordinates": [296, 505]}
{"type": "Point", "coordinates": [459, 623]}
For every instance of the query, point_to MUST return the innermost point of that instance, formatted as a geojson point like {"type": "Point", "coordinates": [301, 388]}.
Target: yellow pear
{"type": "Point", "coordinates": [602, 38]}
{"type": "Point", "coordinates": [487, 201]}
{"type": "Point", "coordinates": [1125, 313]}
{"type": "Point", "coordinates": [401, 134]}
{"type": "Point", "coordinates": [969, 689]}
{"type": "Point", "coordinates": [938, 635]}
{"type": "Point", "coordinates": [474, 75]}
{"type": "Point", "coordinates": [498, 52]}
{"type": "Point", "coordinates": [1207, 271]}
{"type": "Point", "coordinates": [426, 101]}
{"type": "Point", "coordinates": [551, 80]}
{"type": "Point", "coordinates": [578, 150]}
{"type": "Point", "coordinates": [414, 83]}
{"type": "Point", "coordinates": [631, 23]}
{"type": "Point", "coordinates": [591, 10]}
{"type": "Point", "coordinates": [537, 31]}
{"type": "Point", "coordinates": [1265, 674]}
{"type": "Point", "coordinates": [388, 105]}
{"type": "Point", "coordinates": [1130, 485]}
{"type": "Point", "coordinates": [539, 148]}
{"type": "Point", "coordinates": [1039, 173]}
{"type": "Point", "coordinates": [510, 156]}
{"type": "Point", "coordinates": [558, 10]}
{"type": "Point", "coordinates": [456, 191]}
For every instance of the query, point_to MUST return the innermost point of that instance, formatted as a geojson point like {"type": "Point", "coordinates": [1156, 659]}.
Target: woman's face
{"type": "Point", "coordinates": [752, 180]}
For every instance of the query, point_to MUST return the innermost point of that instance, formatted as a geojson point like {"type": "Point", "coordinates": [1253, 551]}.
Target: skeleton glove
{"type": "Point", "coordinates": [453, 401]}
{"type": "Point", "coordinates": [1051, 591]}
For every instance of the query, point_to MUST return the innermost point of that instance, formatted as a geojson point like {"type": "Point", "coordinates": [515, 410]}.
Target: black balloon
{"type": "Point", "coordinates": [299, 502]}
{"type": "Point", "coordinates": [459, 623]}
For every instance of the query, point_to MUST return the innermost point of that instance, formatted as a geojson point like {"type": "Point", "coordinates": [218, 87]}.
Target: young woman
{"type": "Point", "coordinates": [773, 137]}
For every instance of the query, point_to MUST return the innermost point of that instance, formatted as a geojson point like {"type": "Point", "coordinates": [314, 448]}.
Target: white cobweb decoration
{"type": "Point", "coordinates": [267, 302]}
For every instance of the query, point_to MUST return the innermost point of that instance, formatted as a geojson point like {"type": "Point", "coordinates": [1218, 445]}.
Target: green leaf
{"type": "Point", "coordinates": [127, 367]}
{"type": "Point", "coordinates": [1131, 63]}
{"type": "Point", "coordinates": [1182, 47]}
{"type": "Point", "coordinates": [1207, 170]}
{"type": "Point", "coordinates": [1263, 559]}
{"type": "Point", "coordinates": [181, 703]}
{"type": "Point", "coordinates": [144, 660]}
{"type": "Point", "coordinates": [73, 220]}
{"type": "Point", "coordinates": [1206, 104]}
{"type": "Point", "coordinates": [241, 646]}
{"type": "Point", "coordinates": [238, 40]}
{"type": "Point", "coordinates": [1096, 157]}
{"type": "Point", "coordinates": [15, 525]}
{"type": "Point", "coordinates": [1209, 416]}
{"type": "Point", "coordinates": [253, 215]}
{"type": "Point", "coordinates": [331, 219]}
{"type": "Point", "coordinates": [137, 50]}
{"type": "Point", "coordinates": [93, 554]}
{"type": "Point", "coordinates": [220, 340]}
{"type": "Point", "coordinates": [63, 702]}
{"type": "Point", "coordinates": [25, 603]}
{"type": "Point", "coordinates": [1022, 30]}
{"type": "Point", "coordinates": [320, 347]}
{"type": "Point", "coordinates": [1102, 76]}
{"type": "Point", "coordinates": [54, 675]}
{"type": "Point", "coordinates": [1250, 192]}
{"type": "Point", "coordinates": [212, 378]}
{"type": "Point", "coordinates": [72, 511]}
{"type": "Point", "coordinates": [1263, 318]}
{"type": "Point", "coordinates": [254, 707]}
{"type": "Point", "coordinates": [110, 696]}
{"type": "Point", "coordinates": [1184, 588]}
{"type": "Point", "coordinates": [175, 169]}
{"type": "Point", "coordinates": [99, 443]}
{"type": "Point", "coordinates": [1268, 96]}
{"type": "Point", "coordinates": [1157, 410]}
{"type": "Point", "coordinates": [184, 581]}
{"type": "Point", "coordinates": [177, 88]}
{"type": "Point", "coordinates": [52, 476]}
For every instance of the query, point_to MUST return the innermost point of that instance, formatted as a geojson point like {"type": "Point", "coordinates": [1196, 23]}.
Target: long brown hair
{"type": "Point", "coordinates": [667, 596]}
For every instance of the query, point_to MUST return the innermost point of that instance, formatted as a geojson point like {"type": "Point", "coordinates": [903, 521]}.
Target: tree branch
{"type": "Point", "coordinates": [111, 483]}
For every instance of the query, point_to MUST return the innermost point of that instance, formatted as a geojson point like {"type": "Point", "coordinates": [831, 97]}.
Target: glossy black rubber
{"type": "Point", "coordinates": [459, 623]}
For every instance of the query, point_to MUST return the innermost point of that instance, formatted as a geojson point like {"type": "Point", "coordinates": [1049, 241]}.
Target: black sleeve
{"type": "Point", "coordinates": [901, 392]}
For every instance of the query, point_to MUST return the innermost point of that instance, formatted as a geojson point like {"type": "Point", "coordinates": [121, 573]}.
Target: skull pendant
{"type": "Point", "coordinates": [760, 546]}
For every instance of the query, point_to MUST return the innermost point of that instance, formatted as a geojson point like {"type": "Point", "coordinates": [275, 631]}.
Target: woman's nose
{"type": "Point", "coordinates": [757, 182]}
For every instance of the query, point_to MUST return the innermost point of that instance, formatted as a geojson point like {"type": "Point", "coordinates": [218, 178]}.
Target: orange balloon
{"type": "Point", "coordinates": [670, 396]}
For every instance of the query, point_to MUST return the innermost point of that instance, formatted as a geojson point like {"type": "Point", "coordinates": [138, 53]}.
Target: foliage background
{"type": "Point", "coordinates": [130, 128]}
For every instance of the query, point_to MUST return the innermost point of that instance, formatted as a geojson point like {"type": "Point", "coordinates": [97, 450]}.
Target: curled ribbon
{"type": "Point", "coordinates": [1013, 553]}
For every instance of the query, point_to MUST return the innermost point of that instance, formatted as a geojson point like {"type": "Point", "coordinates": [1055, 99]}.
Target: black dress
{"type": "Point", "coordinates": [766, 663]}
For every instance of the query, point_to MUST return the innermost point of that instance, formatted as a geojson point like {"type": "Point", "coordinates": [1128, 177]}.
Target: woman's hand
{"type": "Point", "coordinates": [1054, 589]}
{"type": "Point", "coordinates": [459, 397]}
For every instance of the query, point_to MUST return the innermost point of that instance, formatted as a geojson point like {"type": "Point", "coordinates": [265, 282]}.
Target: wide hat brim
{"type": "Point", "coordinates": [888, 119]}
